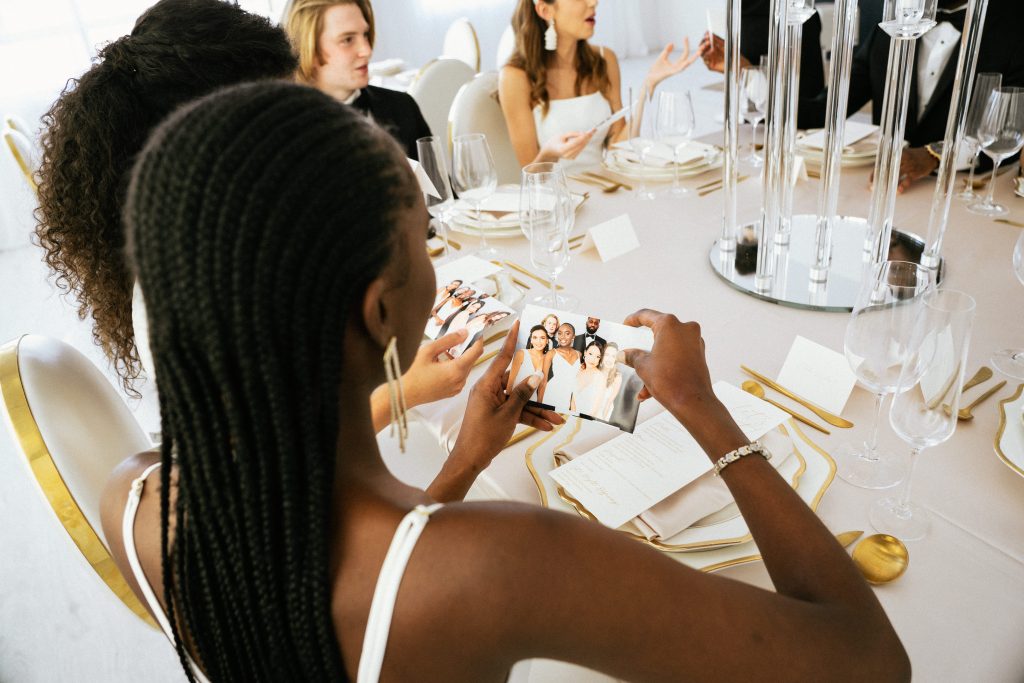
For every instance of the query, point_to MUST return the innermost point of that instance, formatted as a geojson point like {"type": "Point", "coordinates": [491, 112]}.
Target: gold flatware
{"type": "Point", "coordinates": [965, 413]}
{"type": "Point", "coordinates": [577, 238]}
{"type": "Point", "coordinates": [455, 245]}
{"type": "Point", "coordinates": [484, 358]}
{"type": "Point", "coordinates": [524, 271]}
{"type": "Point", "coordinates": [833, 420]}
{"type": "Point", "coordinates": [983, 374]}
{"type": "Point", "coordinates": [612, 188]}
{"type": "Point", "coordinates": [1007, 221]}
{"type": "Point", "coordinates": [848, 537]}
{"type": "Point", "coordinates": [934, 403]}
{"type": "Point", "coordinates": [712, 183]}
{"type": "Point", "coordinates": [606, 179]}
{"type": "Point", "coordinates": [520, 283]}
{"type": "Point", "coordinates": [587, 181]}
{"type": "Point", "coordinates": [752, 387]}
{"type": "Point", "coordinates": [881, 558]}
{"type": "Point", "coordinates": [719, 186]}
{"type": "Point", "coordinates": [436, 251]}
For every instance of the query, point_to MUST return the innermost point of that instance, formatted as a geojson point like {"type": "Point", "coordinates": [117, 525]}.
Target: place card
{"type": "Point", "coordinates": [629, 474]}
{"type": "Point", "coordinates": [819, 374]}
{"type": "Point", "coordinates": [426, 185]}
{"type": "Point", "coordinates": [612, 238]}
{"type": "Point", "coordinates": [855, 131]}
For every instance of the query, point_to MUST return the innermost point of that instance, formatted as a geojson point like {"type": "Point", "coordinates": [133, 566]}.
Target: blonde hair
{"type": "Point", "coordinates": [304, 22]}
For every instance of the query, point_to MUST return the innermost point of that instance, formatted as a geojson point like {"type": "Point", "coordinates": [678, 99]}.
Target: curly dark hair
{"type": "Point", "coordinates": [178, 50]}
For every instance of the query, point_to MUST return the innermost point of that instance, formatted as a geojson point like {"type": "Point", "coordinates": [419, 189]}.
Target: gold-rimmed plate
{"type": "Point", "coordinates": [625, 163]}
{"type": "Point", "coordinates": [1009, 441]}
{"type": "Point", "coordinates": [498, 223]}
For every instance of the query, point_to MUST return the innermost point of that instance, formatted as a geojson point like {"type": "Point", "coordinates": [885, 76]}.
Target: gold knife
{"type": "Point", "coordinates": [796, 415]}
{"type": "Point", "coordinates": [833, 420]}
{"type": "Point", "coordinates": [524, 271]}
{"type": "Point", "coordinates": [610, 181]}
{"type": "Point", "coordinates": [1007, 221]}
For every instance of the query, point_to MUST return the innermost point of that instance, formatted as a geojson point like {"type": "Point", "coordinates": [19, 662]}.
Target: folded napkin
{"type": "Point", "coordinates": [704, 496]}
{"type": "Point", "coordinates": [854, 132]}
{"type": "Point", "coordinates": [660, 155]}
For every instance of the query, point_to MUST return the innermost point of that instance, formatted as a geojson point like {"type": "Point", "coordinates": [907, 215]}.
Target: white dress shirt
{"type": "Point", "coordinates": [935, 50]}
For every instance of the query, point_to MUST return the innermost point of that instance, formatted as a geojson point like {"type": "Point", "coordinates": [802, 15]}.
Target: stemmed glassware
{"type": "Point", "coordinates": [924, 409]}
{"type": "Point", "coordinates": [876, 341]}
{"type": "Point", "coordinates": [475, 179]}
{"type": "Point", "coordinates": [754, 83]}
{"type": "Point", "coordinates": [984, 85]}
{"type": "Point", "coordinates": [547, 215]}
{"type": "Point", "coordinates": [431, 151]}
{"type": "Point", "coordinates": [1010, 362]}
{"type": "Point", "coordinates": [1001, 135]}
{"type": "Point", "coordinates": [674, 123]}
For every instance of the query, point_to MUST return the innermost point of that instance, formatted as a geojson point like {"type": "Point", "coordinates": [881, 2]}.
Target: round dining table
{"type": "Point", "coordinates": [959, 608]}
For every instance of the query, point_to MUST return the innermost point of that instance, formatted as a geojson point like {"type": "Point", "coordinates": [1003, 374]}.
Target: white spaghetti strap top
{"type": "Point", "coordinates": [128, 538]}
{"type": "Point", "coordinates": [384, 595]}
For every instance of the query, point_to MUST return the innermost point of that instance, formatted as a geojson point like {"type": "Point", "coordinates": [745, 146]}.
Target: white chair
{"type": "Point", "coordinates": [435, 88]}
{"type": "Point", "coordinates": [24, 155]}
{"type": "Point", "coordinates": [73, 428]}
{"type": "Point", "coordinates": [460, 42]}
{"type": "Point", "coordinates": [17, 123]}
{"type": "Point", "coordinates": [476, 110]}
{"type": "Point", "coordinates": [506, 46]}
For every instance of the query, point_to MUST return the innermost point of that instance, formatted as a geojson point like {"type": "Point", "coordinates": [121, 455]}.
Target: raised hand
{"type": "Point", "coordinates": [664, 67]}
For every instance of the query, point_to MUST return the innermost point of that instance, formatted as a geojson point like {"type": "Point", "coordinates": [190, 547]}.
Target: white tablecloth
{"type": "Point", "coordinates": [960, 607]}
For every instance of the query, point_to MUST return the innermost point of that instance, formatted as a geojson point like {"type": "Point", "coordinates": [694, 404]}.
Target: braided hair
{"type": "Point", "coordinates": [257, 217]}
{"type": "Point", "coordinates": [177, 51]}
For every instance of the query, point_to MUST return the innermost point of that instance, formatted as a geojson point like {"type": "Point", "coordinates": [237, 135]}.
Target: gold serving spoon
{"type": "Point", "coordinates": [881, 558]}
{"type": "Point", "coordinates": [752, 387]}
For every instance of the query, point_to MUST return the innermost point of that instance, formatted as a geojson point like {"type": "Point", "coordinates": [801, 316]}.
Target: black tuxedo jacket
{"type": "Point", "coordinates": [579, 342]}
{"type": "Point", "coordinates": [397, 113]}
{"type": "Point", "coordinates": [1000, 51]}
{"type": "Point", "coordinates": [754, 28]}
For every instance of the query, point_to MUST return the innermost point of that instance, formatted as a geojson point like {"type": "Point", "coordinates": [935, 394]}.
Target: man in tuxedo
{"type": "Point", "coordinates": [582, 341]}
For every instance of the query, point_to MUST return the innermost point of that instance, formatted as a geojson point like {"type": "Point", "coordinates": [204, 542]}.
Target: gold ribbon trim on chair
{"type": "Point", "coordinates": [50, 482]}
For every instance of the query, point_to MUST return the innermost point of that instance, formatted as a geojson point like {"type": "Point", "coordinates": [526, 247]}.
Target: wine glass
{"type": "Point", "coordinates": [475, 179]}
{"type": "Point", "coordinates": [673, 124]}
{"type": "Point", "coordinates": [924, 408]}
{"type": "Point", "coordinates": [984, 84]}
{"type": "Point", "coordinates": [547, 214]}
{"type": "Point", "coordinates": [431, 151]}
{"type": "Point", "coordinates": [1001, 135]}
{"type": "Point", "coordinates": [1010, 362]}
{"type": "Point", "coordinates": [876, 346]}
{"type": "Point", "coordinates": [754, 82]}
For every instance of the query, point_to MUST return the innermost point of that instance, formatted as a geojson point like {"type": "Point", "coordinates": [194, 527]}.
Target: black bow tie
{"type": "Point", "coordinates": [956, 17]}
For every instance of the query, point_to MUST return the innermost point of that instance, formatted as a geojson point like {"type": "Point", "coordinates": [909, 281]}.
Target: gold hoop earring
{"type": "Point", "coordinates": [396, 396]}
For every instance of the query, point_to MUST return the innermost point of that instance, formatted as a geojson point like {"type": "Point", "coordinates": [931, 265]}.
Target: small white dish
{"type": "Point", "coordinates": [1009, 442]}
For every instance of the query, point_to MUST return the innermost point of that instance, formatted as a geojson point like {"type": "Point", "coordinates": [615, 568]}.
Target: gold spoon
{"type": "Point", "coordinates": [965, 413]}
{"type": "Point", "coordinates": [752, 387]}
{"type": "Point", "coordinates": [881, 558]}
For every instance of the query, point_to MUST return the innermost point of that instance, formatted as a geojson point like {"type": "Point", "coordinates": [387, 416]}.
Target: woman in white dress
{"type": "Point", "coordinates": [557, 88]}
{"type": "Point", "coordinates": [534, 358]}
{"type": "Point", "coordinates": [612, 381]}
{"type": "Point", "coordinates": [475, 327]}
{"type": "Point", "coordinates": [589, 382]}
{"type": "Point", "coordinates": [565, 362]}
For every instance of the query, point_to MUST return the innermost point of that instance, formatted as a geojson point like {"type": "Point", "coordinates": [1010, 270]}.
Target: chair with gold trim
{"type": "Point", "coordinates": [435, 88]}
{"type": "Point", "coordinates": [73, 429]}
{"type": "Point", "coordinates": [476, 110]}
{"type": "Point", "coordinates": [460, 42]}
{"type": "Point", "coordinates": [21, 149]}
{"type": "Point", "coordinates": [506, 47]}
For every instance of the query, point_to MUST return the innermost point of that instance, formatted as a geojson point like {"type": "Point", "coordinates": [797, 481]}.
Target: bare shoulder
{"type": "Point", "coordinates": [513, 84]}
{"type": "Point", "coordinates": [115, 493]}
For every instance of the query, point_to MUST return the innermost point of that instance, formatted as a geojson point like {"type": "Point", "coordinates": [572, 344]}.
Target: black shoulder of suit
{"type": "Point", "coordinates": [398, 113]}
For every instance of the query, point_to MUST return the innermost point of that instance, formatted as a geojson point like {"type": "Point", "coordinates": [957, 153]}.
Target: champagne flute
{"type": "Point", "coordinates": [924, 408]}
{"type": "Point", "coordinates": [673, 124]}
{"type": "Point", "coordinates": [754, 82]}
{"type": "Point", "coordinates": [984, 85]}
{"type": "Point", "coordinates": [876, 346]}
{"type": "Point", "coordinates": [1001, 135]}
{"type": "Point", "coordinates": [1010, 362]}
{"type": "Point", "coordinates": [547, 214]}
{"type": "Point", "coordinates": [431, 151]}
{"type": "Point", "coordinates": [475, 179]}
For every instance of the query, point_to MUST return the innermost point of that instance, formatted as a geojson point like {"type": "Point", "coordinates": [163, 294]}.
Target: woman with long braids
{"type": "Point", "coordinates": [280, 280]}
{"type": "Point", "coordinates": [178, 50]}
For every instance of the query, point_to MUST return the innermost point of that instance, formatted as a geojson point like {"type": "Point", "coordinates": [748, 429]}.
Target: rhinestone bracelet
{"type": "Point", "coordinates": [742, 451]}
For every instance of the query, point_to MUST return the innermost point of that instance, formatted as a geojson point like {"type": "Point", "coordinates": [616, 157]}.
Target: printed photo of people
{"type": "Point", "coordinates": [580, 361]}
{"type": "Point", "coordinates": [460, 302]}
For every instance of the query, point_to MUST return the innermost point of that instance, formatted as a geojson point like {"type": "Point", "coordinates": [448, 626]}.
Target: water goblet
{"type": "Point", "coordinates": [674, 123]}
{"type": "Point", "coordinates": [475, 179]}
{"type": "Point", "coordinates": [1010, 362]}
{"type": "Point", "coordinates": [754, 83]}
{"type": "Point", "coordinates": [984, 84]}
{"type": "Point", "coordinates": [876, 346]}
{"type": "Point", "coordinates": [431, 151]}
{"type": "Point", "coordinates": [924, 407]}
{"type": "Point", "coordinates": [1001, 134]}
{"type": "Point", "coordinates": [547, 215]}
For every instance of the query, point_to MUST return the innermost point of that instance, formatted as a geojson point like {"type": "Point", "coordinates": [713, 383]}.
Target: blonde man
{"type": "Point", "coordinates": [334, 42]}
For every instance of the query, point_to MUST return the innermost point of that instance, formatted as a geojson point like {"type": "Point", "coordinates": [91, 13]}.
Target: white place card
{"type": "Point", "coordinates": [612, 238]}
{"type": "Point", "coordinates": [426, 185]}
{"type": "Point", "coordinates": [632, 472]}
{"type": "Point", "coordinates": [854, 132]}
{"type": "Point", "coordinates": [819, 374]}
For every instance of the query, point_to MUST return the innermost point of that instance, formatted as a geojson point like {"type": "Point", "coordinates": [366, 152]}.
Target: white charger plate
{"type": "Point", "coordinates": [507, 226]}
{"type": "Point", "coordinates": [1009, 441]}
{"type": "Point", "coordinates": [624, 163]}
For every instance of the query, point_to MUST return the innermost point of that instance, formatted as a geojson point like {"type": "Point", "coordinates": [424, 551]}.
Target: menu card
{"type": "Point", "coordinates": [632, 472]}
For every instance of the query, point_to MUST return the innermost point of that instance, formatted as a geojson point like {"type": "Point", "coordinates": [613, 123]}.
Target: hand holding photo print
{"type": "Point", "coordinates": [460, 303]}
{"type": "Point", "coordinates": [580, 358]}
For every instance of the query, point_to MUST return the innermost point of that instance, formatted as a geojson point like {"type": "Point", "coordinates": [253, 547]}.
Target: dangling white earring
{"type": "Point", "coordinates": [550, 36]}
{"type": "Point", "coordinates": [396, 396]}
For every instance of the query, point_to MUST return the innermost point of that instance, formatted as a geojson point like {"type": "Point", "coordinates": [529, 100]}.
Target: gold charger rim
{"type": "Point", "coordinates": [1003, 410]}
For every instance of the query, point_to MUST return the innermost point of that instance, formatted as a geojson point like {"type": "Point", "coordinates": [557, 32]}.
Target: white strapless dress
{"type": "Point", "coordinates": [561, 384]}
{"type": "Point", "coordinates": [574, 114]}
{"type": "Point", "coordinates": [588, 396]}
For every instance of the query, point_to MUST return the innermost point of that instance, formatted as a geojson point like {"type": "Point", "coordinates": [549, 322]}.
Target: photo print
{"type": "Point", "coordinates": [580, 358]}
{"type": "Point", "coordinates": [463, 300]}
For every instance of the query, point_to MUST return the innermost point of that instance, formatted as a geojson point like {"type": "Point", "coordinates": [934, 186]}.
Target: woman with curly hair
{"type": "Point", "coordinates": [179, 50]}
